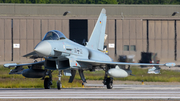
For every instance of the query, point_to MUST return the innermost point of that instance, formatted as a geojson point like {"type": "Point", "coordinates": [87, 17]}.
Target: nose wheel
{"type": "Point", "coordinates": [59, 85]}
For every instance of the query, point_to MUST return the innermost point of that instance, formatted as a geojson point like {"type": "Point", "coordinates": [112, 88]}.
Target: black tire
{"type": "Point", "coordinates": [58, 85]}
{"type": "Point", "coordinates": [47, 83]}
{"type": "Point", "coordinates": [109, 83]}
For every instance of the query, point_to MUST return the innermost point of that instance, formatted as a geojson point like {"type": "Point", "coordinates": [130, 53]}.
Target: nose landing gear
{"type": "Point", "coordinates": [59, 86]}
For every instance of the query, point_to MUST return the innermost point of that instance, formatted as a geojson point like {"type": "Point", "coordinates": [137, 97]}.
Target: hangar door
{"type": "Point", "coordinates": [78, 30]}
{"type": "Point", "coordinates": [162, 38]}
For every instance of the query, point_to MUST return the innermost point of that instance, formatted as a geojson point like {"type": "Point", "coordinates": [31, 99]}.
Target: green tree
{"type": "Point", "coordinates": [90, 1]}
{"type": "Point", "coordinates": [107, 2]}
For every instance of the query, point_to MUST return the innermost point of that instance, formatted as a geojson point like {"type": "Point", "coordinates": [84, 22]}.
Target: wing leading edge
{"type": "Point", "coordinates": [95, 62]}
{"type": "Point", "coordinates": [28, 64]}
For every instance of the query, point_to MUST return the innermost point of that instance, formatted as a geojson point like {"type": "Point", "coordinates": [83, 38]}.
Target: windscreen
{"type": "Point", "coordinates": [51, 36]}
{"type": "Point", "coordinates": [61, 35]}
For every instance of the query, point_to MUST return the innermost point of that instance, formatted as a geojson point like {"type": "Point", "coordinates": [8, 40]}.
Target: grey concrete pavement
{"type": "Point", "coordinates": [118, 92]}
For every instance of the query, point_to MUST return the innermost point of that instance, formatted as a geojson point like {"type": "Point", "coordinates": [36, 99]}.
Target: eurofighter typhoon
{"type": "Point", "coordinates": [65, 55]}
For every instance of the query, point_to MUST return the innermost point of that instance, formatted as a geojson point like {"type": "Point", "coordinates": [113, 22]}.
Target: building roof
{"type": "Point", "coordinates": [89, 10]}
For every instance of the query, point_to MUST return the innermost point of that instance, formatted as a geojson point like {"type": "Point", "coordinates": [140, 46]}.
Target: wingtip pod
{"type": "Point", "coordinates": [103, 11]}
{"type": "Point", "coordinates": [9, 65]}
{"type": "Point", "coordinates": [170, 64]}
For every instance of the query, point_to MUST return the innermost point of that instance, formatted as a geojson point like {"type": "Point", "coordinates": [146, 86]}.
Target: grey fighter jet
{"type": "Point", "coordinates": [65, 55]}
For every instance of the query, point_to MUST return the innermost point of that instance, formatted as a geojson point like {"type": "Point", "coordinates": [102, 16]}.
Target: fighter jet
{"type": "Point", "coordinates": [62, 54]}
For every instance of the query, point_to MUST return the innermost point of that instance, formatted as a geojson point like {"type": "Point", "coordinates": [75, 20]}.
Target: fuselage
{"type": "Point", "coordinates": [60, 52]}
{"type": "Point", "coordinates": [66, 47]}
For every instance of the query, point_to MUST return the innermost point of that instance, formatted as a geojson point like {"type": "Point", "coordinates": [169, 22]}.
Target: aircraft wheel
{"type": "Point", "coordinates": [47, 83]}
{"type": "Point", "coordinates": [58, 85]}
{"type": "Point", "coordinates": [109, 83]}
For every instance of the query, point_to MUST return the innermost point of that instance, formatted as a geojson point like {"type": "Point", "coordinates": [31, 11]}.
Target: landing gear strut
{"type": "Point", "coordinates": [48, 81]}
{"type": "Point", "coordinates": [59, 81]}
{"type": "Point", "coordinates": [108, 81]}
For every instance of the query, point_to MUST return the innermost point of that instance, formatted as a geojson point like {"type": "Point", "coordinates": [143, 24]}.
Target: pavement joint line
{"type": "Point", "coordinates": [63, 93]}
{"type": "Point", "coordinates": [97, 94]}
{"type": "Point", "coordinates": [89, 97]}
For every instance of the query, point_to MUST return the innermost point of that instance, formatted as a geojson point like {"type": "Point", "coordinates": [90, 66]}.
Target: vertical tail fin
{"type": "Point", "coordinates": [96, 40]}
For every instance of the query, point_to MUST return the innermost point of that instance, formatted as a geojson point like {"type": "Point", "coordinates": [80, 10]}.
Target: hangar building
{"type": "Point", "coordinates": [131, 29]}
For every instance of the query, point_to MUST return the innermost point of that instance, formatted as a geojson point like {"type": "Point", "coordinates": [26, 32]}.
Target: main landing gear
{"type": "Point", "coordinates": [48, 81]}
{"type": "Point", "coordinates": [108, 81]}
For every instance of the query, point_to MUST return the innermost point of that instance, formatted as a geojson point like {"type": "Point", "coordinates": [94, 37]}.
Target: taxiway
{"type": "Point", "coordinates": [96, 91]}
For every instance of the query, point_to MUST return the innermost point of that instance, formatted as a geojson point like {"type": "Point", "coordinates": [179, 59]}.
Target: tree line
{"type": "Point", "coordinates": [93, 1]}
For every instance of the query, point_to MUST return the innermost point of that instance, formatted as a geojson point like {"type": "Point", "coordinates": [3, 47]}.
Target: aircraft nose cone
{"type": "Point", "coordinates": [43, 48]}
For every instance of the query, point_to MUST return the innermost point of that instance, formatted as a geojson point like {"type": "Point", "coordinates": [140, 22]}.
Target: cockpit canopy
{"type": "Point", "coordinates": [54, 35]}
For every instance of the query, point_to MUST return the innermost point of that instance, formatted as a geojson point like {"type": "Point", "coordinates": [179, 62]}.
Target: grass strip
{"type": "Point", "coordinates": [18, 81]}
